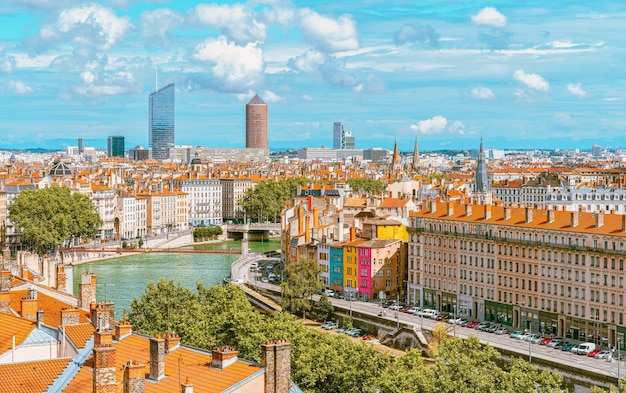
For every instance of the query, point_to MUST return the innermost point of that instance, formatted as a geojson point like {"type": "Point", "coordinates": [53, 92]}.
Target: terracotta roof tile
{"type": "Point", "coordinates": [51, 305]}
{"type": "Point", "coordinates": [29, 377]}
{"type": "Point", "coordinates": [12, 326]}
{"type": "Point", "coordinates": [79, 334]}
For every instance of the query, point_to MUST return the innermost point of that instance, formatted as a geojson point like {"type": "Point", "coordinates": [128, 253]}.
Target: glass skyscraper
{"type": "Point", "coordinates": [161, 122]}
{"type": "Point", "coordinates": [115, 146]}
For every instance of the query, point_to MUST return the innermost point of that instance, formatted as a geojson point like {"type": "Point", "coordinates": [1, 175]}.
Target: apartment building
{"type": "Point", "coordinates": [545, 270]}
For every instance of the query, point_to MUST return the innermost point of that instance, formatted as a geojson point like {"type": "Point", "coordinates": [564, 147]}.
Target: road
{"type": "Point", "coordinates": [523, 348]}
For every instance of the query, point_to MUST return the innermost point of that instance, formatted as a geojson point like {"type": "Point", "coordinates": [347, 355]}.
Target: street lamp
{"type": "Point", "coordinates": [619, 351]}
{"type": "Point", "coordinates": [530, 330]}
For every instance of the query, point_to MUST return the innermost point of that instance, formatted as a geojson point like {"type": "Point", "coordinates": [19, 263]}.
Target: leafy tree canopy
{"type": "Point", "coordinates": [48, 217]}
{"type": "Point", "coordinates": [301, 281]}
{"type": "Point", "coordinates": [267, 199]}
{"type": "Point", "coordinates": [369, 186]}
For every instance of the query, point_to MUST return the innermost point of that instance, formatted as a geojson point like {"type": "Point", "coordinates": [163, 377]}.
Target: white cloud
{"type": "Point", "coordinates": [328, 34]}
{"type": "Point", "coordinates": [533, 81]}
{"type": "Point", "coordinates": [234, 21]}
{"type": "Point", "coordinates": [237, 68]}
{"type": "Point", "coordinates": [20, 88]}
{"type": "Point", "coordinates": [576, 90]}
{"type": "Point", "coordinates": [457, 127]}
{"type": "Point", "coordinates": [482, 93]}
{"type": "Point", "coordinates": [309, 62]}
{"type": "Point", "coordinates": [89, 25]}
{"type": "Point", "coordinates": [489, 16]}
{"type": "Point", "coordinates": [7, 64]}
{"type": "Point", "coordinates": [269, 96]}
{"type": "Point", "coordinates": [159, 23]}
{"type": "Point", "coordinates": [435, 125]}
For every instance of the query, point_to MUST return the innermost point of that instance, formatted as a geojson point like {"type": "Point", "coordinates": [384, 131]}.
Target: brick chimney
{"type": "Point", "coordinates": [574, 219]}
{"type": "Point", "coordinates": [101, 318]}
{"type": "Point", "coordinates": [222, 357]}
{"type": "Point", "coordinates": [352, 233]}
{"type": "Point", "coordinates": [316, 217]}
{"type": "Point", "coordinates": [70, 316]}
{"type": "Point", "coordinates": [307, 230]}
{"type": "Point", "coordinates": [468, 210]}
{"type": "Point", "coordinates": [87, 289]}
{"type": "Point", "coordinates": [186, 387]}
{"type": "Point", "coordinates": [61, 278]}
{"type": "Point", "coordinates": [551, 216]}
{"type": "Point", "coordinates": [104, 363]}
{"type": "Point", "coordinates": [450, 208]}
{"type": "Point", "coordinates": [5, 302]}
{"type": "Point", "coordinates": [134, 377]}
{"type": "Point", "coordinates": [507, 213]}
{"type": "Point", "coordinates": [172, 342]}
{"type": "Point", "coordinates": [29, 305]}
{"type": "Point", "coordinates": [277, 363]}
{"type": "Point", "coordinates": [599, 219]}
{"type": "Point", "coordinates": [157, 358]}
{"type": "Point", "coordinates": [123, 328]}
{"type": "Point", "coordinates": [529, 214]}
{"type": "Point", "coordinates": [5, 280]}
{"type": "Point", "coordinates": [39, 318]}
{"type": "Point", "coordinates": [487, 212]}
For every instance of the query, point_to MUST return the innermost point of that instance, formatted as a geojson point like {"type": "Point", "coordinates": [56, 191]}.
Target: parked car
{"type": "Point", "coordinates": [537, 339]}
{"type": "Point", "coordinates": [516, 333]}
{"type": "Point", "coordinates": [414, 310]}
{"type": "Point", "coordinates": [441, 317]}
{"type": "Point", "coordinates": [473, 324]}
{"type": "Point", "coordinates": [593, 353]}
{"type": "Point", "coordinates": [330, 325]}
{"type": "Point", "coordinates": [568, 347]}
{"type": "Point", "coordinates": [603, 355]}
{"type": "Point", "coordinates": [356, 332]}
{"type": "Point", "coordinates": [524, 336]}
{"type": "Point", "coordinates": [463, 322]}
{"type": "Point", "coordinates": [481, 325]}
{"type": "Point", "coordinates": [555, 341]}
{"type": "Point", "coordinates": [583, 349]}
{"type": "Point", "coordinates": [545, 341]}
{"type": "Point", "coordinates": [501, 330]}
{"type": "Point", "coordinates": [531, 337]}
{"type": "Point", "coordinates": [396, 307]}
{"type": "Point", "coordinates": [342, 329]}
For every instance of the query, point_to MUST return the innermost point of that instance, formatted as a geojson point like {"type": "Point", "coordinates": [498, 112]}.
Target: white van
{"type": "Point", "coordinates": [428, 313]}
{"type": "Point", "coordinates": [329, 292]}
{"type": "Point", "coordinates": [584, 348]}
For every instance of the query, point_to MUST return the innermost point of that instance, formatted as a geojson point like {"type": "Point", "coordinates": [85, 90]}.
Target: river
{"type": "Point", "coordinates": [123, 279]}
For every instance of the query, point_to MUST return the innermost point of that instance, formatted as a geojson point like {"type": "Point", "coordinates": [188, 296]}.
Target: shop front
{"type": "Point", "coordinates": [499, 313]}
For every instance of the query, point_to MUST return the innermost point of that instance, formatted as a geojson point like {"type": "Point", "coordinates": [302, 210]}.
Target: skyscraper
{"type": "Point", "coordinates": [115, 146]}
{"type": "Point", "coordinates": [161, 122]}
{"type": "Point", "coordinates": [338, 136]}
{"type": "Point", "coordinates": [256, 123]}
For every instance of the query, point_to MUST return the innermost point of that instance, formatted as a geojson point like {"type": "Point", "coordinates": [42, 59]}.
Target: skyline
{"type": "Point", "coordinates": [518, 75]}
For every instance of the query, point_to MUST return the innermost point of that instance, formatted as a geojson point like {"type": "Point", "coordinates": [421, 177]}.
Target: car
{"type": "Point", "coordinates": [330, 325]}
{"type": "Point", "coordinates": [516, 333]}
{"type": "Point", "coordinates": [482, 326]}
{"type": "Point", "coordinates": [463, 322]}
{"type": "Point", "coordinates": [568, 347]}
{"type": "Point", "coordinates": [560, 344]}
{"type": "Point", "coordinates": [396, 307]}
{"type": "Point", "coordinates": [473, 324]}
{"type": "Point", "coordinates": [414, 310]}
{"type": "Point", "coordinates": [555, 341]}
{"type": "Point", "coordinates": [603, 355]}
{"type": "Point", "coordinates": [454, 321]}
{"type": "Point", "coordinates": [594, 352]}
{"type": "Point", "coordinates": [545, 341]}
{"type": "Point", "coordinates": [329, 292]}
{"type": "Point", "coordinates": [254, 265]}
{"type": "Point", "coordinates": [440, 317]}
{"type": "Point", "coordinates": [523, 336]}
{"type": "Point", "coordinates": [355, 332]}
{"type": "Point", "coordinates": [531, 337]}
{"type": "Point", "coordinates": [265, 280]}
{"type": "Point", "coordinates": [537, 340]}
{"type": "Point", "coordinates": [342, 329]}
{"type": "Point", "coordinates": [501, 330]}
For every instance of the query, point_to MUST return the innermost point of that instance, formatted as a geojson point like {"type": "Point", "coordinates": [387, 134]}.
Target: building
{"type": "Point", "coordinates": [115, 146]}
{"type": "Point", "coordinates": [187, 154]}
{"type": "Point", "coordinates": [550, 271]}
{"type": "Point", "coordinates": [256, 123]}
{"type": "Point", "coordinates": [338, 136]}
{"type": "Point", "coordinates": [233, 190]}
{"type": "Point", "coordinates": [161, 122]}
{"type": "Point", "coordinates": [138, 153]}
{"type": "Point", "coordinates": [204, 198]}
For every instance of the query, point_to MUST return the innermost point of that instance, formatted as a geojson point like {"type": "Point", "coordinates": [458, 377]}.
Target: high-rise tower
{"type": "Point", "coordinates": [115, 146]}
{"type": "Point", "coordinates": [256, 123]}
{"type": "Point", "coordinates": [161, 122]}
{"type": "Point", "coordinates": [338, 136]}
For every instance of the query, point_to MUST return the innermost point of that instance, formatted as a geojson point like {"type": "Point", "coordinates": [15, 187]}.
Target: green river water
{"type": "Point", "coordinates": [123, 279]}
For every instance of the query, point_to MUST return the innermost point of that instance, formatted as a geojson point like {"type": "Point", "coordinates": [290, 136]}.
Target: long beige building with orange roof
{"type": "Point", "coordinates": [549, 271]}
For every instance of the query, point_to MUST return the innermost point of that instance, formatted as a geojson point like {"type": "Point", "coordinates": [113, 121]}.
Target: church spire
{"type": "Point", "coordinates": [416, 156]}
{"type": "Point", "coordinates": [481, 183]}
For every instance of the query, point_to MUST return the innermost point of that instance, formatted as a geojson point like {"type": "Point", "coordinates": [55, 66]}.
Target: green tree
{"type": "Point", "coordinates": [48, 217]}
{"type": "Point", "coordinates": [369, 186]}
{"type": "Point", "coordinates": [301, 282]}
{"type": "Point", "coordinates": [407, 374]}
{"type": "Point", "coordinates": [322, 309]}
{"type": "Point", "coordinates": [267, 199]}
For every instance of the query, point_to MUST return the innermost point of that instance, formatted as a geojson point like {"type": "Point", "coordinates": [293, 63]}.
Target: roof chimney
{"type": "Point", "coordinates": [307, 229]}
{"type": "Point", "coordinates": [340, 227]}
{"type": "Point", "coordinates": [277, 363]}
{"type": "Point", "coordinates": [450, 208]}
{"type": "Point", "coordinates": [5, 302]}
{"type": "Point", "coordinates": [39, 318]}
{"type": "Point", "coordinates": [468, 210]}
{"type": "Point", "coordinates": [70, 316]}
{"type": "Point", "coordinates": [507, 213]}
{"type": "Point", "coordinates": [5, 280]}
{"type": "Point", "coordinates": [574, 219]}
{"type": "Point", "coordinates": [29, 305]}
{"type": "Point", "coordinates": [157, 358]}
{"type": "Point", "coordinates": [487, 212]}
{"type": "Point", "coordinates": [186, 387]}
{"type": "Point", "coordinates": [87, 289]}
{"type": "Point", "coordinates": [61, 278]}
{"type": "Point", "coordinates": [103, 363]}
{"type": "Point", "coordinates": [134, 377]}
{"type": "Point", "coordinates": [223, 357]}
{"type": "Point", "coordinates": [172, 342]}
{"type": "Point", "coordinates": [551, 216]}
{"type": "Point", "coordinates": [352, 233]}
{"type": "Point", "coordinates": [599, 219]}
{"type": "Point", "coordinates": [433, 206]}
{"type": "Point", "coordinates": [529, 214]}
{"type": "Point", "coordinates": [123, 329]}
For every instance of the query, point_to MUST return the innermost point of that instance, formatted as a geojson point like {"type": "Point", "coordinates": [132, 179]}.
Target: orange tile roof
{"type": "Point", "coordinates": [12, 326]}
{"type": "Point", "coordinates": [194, 364]}
{"type": "Point", "coordinates": [29, 377]}
{"type": "Point", "coordinates": [79, 334]}
{"type": "Point", "coordinates": [393, 203]}
{"type": "Point", "coordinates": [51, 305]}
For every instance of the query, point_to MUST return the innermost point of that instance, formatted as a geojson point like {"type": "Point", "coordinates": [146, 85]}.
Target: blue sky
{"type": "Point", "coordinates": [520, 74]}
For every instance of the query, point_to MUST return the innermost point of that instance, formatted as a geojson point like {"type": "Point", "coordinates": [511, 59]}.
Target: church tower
{"type": "Point", "coordinates": [416, 157]}
{"type": "Point", "coordinates": [482, 189]}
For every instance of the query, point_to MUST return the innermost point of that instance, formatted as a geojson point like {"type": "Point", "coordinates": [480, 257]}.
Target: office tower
{"type": "Point", "coordinates": [338, 136]}
{"type": "Point", "coordinates": [161, 122]}
{"type": "Point", "coordinates": [256, 123]}
{"type": "Point", "coordinates": [596, 151]}
{"type": "Point", "coordinates": [80, 145]}
{"type": "Point", "coordinates": [115, 146]}
{"type": "Point", "coordinates": [349, 141]}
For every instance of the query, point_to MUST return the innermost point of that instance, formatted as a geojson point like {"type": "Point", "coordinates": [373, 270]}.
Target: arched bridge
{"type": "Point", "coordinates": [256, 231]}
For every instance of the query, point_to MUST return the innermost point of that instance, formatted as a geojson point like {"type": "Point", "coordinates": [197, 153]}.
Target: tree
{"type": "Point", "coordinates": [369, 186]}
{"type": "Point", "coordinates": [267, 199]}
{"type": "Point", "coordinates": [48, 217]}
{"type": "Point", "coordinates": [301, 281]}
{"type": "Point", "coordinates": [322, 309]}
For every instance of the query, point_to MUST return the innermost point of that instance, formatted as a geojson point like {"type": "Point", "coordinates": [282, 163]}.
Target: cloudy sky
{"type": "Point", "coordinates": [520, 74]}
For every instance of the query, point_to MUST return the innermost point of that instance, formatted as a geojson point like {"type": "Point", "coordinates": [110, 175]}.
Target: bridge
{"type": "Point", "coordinates": [151, 250]}
{"type": "Point", "coordinates": [256, 231]}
